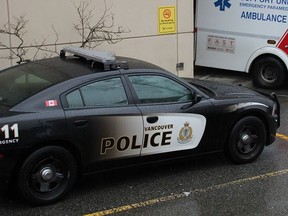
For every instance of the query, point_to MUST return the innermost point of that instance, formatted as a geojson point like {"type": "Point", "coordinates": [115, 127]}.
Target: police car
{"type": "Point", "coordinates": [88, 111]}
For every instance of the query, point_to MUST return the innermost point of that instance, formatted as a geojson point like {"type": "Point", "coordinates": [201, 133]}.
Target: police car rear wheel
{"type": "Point", "coordinates": [269, 72]}
{"type": "Point", "coordinates": [247, 140]}
{"type": "Point", "coordinates": [47, 175]}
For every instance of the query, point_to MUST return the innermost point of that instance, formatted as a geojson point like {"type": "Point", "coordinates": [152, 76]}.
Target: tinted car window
{"type": "Point", "coordinates": [159, 89]}
{"type": "Point", "coordinates": [108, 92]}
{"type": "Point", "coordinates": [20, 82]}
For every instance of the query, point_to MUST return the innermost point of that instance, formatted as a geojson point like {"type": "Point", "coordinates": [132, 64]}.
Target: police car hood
{"type": "Point", "coordinates": [222, 90]}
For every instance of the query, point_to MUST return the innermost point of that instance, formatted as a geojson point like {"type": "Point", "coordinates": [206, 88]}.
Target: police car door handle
{"type": "Point", "coordinates": [81, 123]}
{"type": "Point", "coordinates": [152, 119]}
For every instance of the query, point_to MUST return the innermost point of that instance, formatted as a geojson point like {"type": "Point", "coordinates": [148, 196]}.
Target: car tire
{"type": "Point", "coordinates": [47, 175]}
{"type": "Point", "coordinates": [247, 140]}
{"type": "Point", "coordinates": [269, 72]}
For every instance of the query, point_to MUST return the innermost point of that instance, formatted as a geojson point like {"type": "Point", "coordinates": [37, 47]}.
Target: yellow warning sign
{"type": "Point", "coordinates": [167, 20]}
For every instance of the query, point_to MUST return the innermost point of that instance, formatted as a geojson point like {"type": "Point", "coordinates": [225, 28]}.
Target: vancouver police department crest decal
{"type": "Point", "coordinates": [185, 134]}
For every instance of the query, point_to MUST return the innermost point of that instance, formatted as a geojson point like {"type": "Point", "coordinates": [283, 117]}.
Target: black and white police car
{"type": "Point", "coordinates": [91, 111]}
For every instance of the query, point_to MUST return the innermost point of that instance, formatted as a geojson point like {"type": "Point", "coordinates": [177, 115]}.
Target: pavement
{"type": "Point", "coordinates": [233, 78]}
{"type": "Point", "coordinates": [225, 76]}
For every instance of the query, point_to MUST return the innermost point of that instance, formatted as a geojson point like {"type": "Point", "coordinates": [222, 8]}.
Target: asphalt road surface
{"type": "Point", "coordinates": [205, 185]}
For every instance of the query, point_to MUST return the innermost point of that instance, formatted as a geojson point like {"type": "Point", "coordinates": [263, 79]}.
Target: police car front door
{"type": "Point", "coordinates": [172, 132]}
{"type": "Point", "coordinates": [166, 125]}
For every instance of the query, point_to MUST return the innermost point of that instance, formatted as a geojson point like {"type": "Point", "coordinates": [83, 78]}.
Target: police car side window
{"type": "Point", "coordinates": [74, 99]}
{"type": "Point", "coordinates": [159, 89]}
{"type": "Point", "coordinates": [108, 92]}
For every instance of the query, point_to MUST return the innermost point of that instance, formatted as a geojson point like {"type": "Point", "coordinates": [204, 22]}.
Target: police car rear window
{"type": "Point", "coordinates": [20, 82]}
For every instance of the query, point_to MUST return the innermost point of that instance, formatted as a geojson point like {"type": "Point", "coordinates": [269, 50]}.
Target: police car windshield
{"type": "Point", "coordinates": [20, 82]}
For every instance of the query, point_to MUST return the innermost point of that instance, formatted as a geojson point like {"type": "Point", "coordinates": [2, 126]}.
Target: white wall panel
{"type": "Point", "coordinates": [139, 16]}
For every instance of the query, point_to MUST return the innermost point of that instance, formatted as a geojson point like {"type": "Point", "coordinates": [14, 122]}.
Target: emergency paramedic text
{"type": "Point", "coordinates": [280, 5]}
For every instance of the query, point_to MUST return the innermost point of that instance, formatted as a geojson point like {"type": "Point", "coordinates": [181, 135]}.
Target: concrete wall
{"type": "Point", "coordinates": [143, 40]}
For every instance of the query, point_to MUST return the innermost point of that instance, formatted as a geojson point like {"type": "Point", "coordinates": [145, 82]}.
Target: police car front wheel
{"type": "Point", "coordinates": [247, 140]}
{"type": "Point", "coordinates": [47, 175]}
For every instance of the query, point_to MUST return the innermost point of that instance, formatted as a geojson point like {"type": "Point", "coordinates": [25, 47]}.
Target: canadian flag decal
{"type": "Point", "coordinates": [51, 103]}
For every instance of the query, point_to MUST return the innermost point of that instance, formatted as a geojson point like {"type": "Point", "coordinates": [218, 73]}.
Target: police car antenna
{"type": "Point", "coordinates": [107, 58]}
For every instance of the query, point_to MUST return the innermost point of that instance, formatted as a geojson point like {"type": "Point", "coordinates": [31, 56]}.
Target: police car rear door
{"type": "Point", "coordinates": [102, 122]}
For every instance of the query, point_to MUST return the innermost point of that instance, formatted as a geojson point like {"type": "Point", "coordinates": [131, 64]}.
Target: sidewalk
{"type": "Point", "coordinates": [225, 76]}
{"type": "Point", "coordinates": [233, 78]}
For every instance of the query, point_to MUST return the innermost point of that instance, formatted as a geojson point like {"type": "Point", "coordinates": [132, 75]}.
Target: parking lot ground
{"type": "Point", "coordinates": [204, 186]}
{"type": "Point", "coordinates": [225, 76]}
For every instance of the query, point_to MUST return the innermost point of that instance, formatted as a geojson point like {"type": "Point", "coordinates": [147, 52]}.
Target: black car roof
{"type": "Point", "coordinates": [82, 61]}
{"type": "Point", "coordinates": [73, 66]}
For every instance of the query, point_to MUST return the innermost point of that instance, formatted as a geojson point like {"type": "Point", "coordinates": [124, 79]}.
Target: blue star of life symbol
{"type": "Point", "coordinates": [222, 4]}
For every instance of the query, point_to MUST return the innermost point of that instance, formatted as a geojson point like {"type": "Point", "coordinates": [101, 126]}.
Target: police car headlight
{"type": "Point", "coordinates": [276, 108]}
{"type": "Point", "coordinates": [275, 112]}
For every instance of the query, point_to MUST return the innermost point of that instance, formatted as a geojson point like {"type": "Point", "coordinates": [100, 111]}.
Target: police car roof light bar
{"type": "Point", "coordinates": [108, 59]}
{"type": "Point", "coordinates": [89, 54]}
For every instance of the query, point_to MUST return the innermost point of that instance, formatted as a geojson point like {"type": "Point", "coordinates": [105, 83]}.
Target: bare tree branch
{"type": "Point", "coordinates": [93, 34]}
{"type": "Point", "coordinates": [46, 51]}
{"type": "Point", "coordinates": [16, 30]}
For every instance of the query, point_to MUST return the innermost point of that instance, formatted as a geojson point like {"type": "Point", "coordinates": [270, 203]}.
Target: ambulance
{"type": "Point", "coordinates": [244, 35]}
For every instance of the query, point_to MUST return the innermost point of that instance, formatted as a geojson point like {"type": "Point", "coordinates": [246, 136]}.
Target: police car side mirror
{"type": "Point", "coordinates": [196, 98]}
